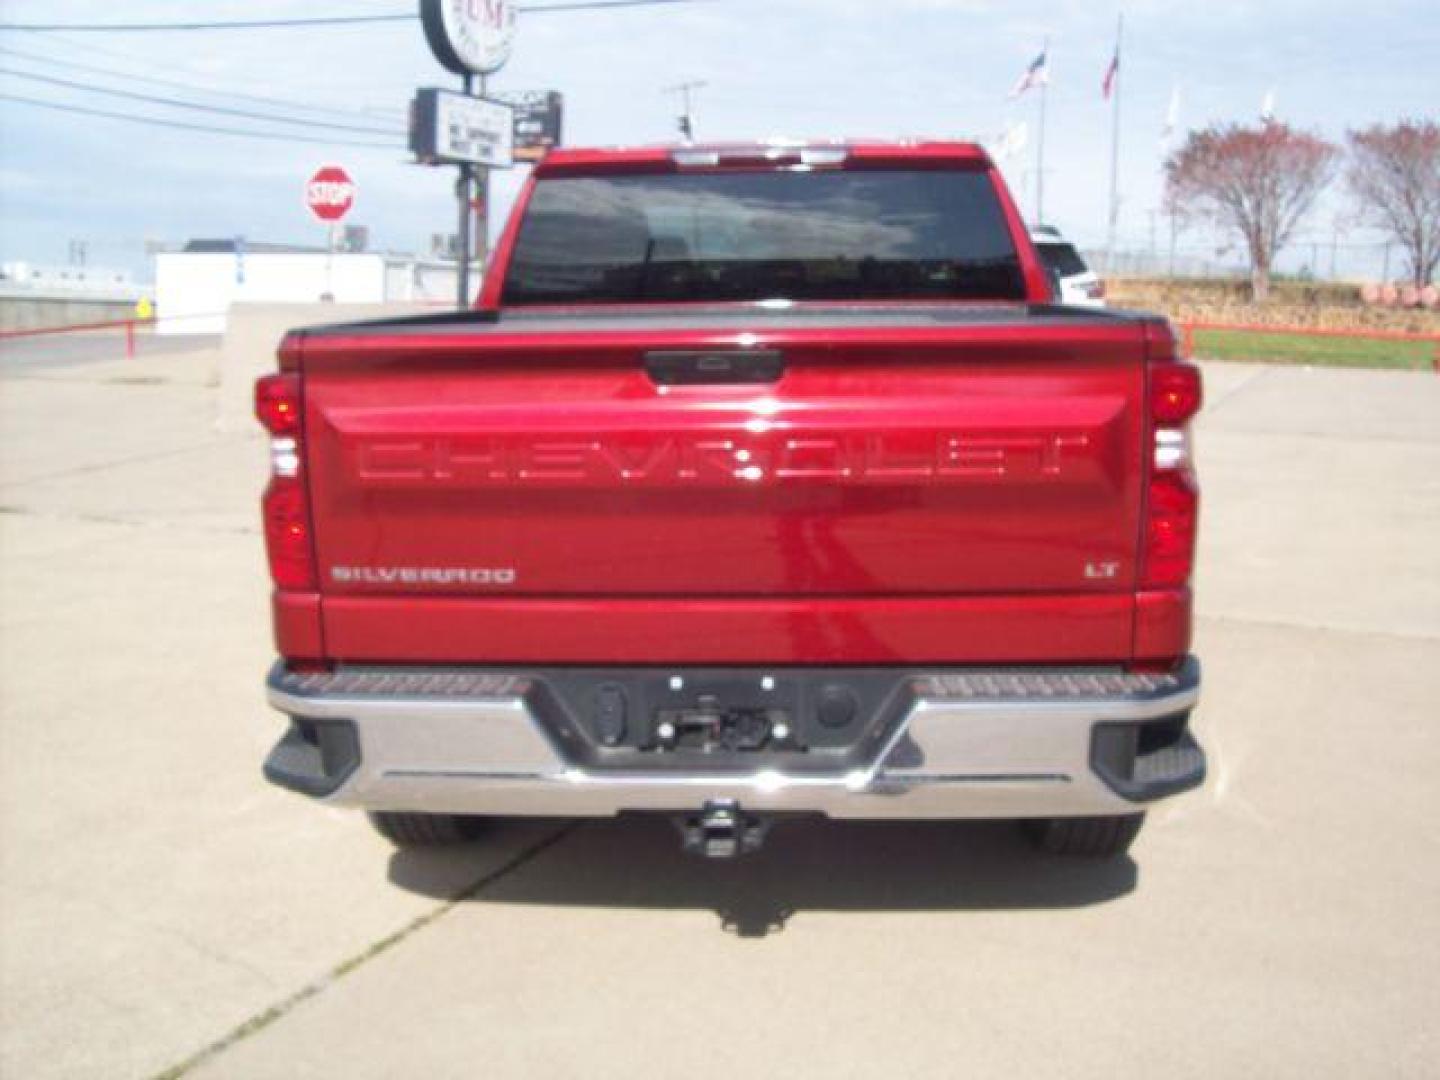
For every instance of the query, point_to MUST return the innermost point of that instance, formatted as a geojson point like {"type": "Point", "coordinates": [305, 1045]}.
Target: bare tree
{"type": "Point", "coordinates": [1256, 181]}
{"type": "Point", "coordinates": [1394, 177]}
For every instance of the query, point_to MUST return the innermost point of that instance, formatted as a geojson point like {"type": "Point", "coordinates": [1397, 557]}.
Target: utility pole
{"type": "Point", "coordinates": [687, 117]}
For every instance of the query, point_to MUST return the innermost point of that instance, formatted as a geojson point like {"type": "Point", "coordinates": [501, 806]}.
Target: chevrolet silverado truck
{"type": "Point", "coordinates": [762, 480]}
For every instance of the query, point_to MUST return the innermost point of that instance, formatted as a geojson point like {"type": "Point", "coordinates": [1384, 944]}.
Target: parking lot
{"type": "Point", "coordinates": [164, 912]}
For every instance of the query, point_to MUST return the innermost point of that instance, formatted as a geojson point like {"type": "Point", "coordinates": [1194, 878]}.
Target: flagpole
{"type": "Point", "coordinates": [1119, 82]}
{"type": "Point", "coordinates": [1040, 143]}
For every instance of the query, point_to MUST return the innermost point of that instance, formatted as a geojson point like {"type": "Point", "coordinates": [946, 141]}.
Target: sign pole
{"type": "Point", "coordinates": [470, 39]}
{"type": "Point", "coordinates": [463, 188]}
{"type": "Point", "coordinates": [330, 262]}
{"type": "Point", "coordinates": [329, 194]}
{"type": "Point", "coordinates": [482, 217]}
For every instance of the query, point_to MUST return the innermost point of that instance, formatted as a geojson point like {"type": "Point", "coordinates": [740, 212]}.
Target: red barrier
{"type": "Point", "coordinates": [1187, 334]}
{"type": "Point", "coordinates": [71, 328]}
{"type": "Point", "coordinates": [76, 328]}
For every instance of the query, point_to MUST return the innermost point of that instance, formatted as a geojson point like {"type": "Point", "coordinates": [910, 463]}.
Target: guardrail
{"type": "Point", "coordinates": [128, 325]}
{"type": "Point", "coordinates": [1187, 334]}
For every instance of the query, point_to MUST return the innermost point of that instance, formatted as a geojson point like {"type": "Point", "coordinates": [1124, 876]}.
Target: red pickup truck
{"type": "Point", "coordinates": [763, 480]}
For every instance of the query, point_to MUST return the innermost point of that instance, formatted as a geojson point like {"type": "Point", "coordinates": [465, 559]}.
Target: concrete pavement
{"type": "Point", "coordinates": [162, 910]}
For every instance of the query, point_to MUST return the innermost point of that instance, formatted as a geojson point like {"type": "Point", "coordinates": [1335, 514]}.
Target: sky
{"type": "Point", "coordinates": [804, 68]}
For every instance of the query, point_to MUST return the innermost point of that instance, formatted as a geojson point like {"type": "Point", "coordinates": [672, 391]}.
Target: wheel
{"type": "Point", "coordinates": [1091, 837]}
{"type": "Point", "coordinates": [418, 830]}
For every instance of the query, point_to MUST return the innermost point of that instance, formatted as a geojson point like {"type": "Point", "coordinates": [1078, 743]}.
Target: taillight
{"type": "Point", "coordinates": [1170, 529]}
{"type": "Point", "coordinates": [277, 404]}
{"type": "Point", "coordinates": [287, 534]}
{"type": "Point", "coordinates": [1096, 290]}
{"type": "Point", "coordinates": [1176, 393]}
{"type": "Point", "coordinates": [286, 507]}
{"type": "Point", "coordinates": [1172, 507]}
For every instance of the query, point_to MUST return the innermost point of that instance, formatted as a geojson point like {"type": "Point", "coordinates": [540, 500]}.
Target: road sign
{"type": "Point", "coordinates": [330, 193]}
{"type": "Point", "coordinates": [470, 37]}
{"type": "Point", "coordinates": [539, 120]}
{"type": "Point", "coordinates": [450, 128]}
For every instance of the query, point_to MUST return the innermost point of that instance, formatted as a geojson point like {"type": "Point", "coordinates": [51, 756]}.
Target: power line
{"type": "Point", "coordinates": [243, 24]}
{"type": "Point", "coordinates": [218, 91]}
{"type": "Point", "coordinates": [596, 5]}
{"type": "Point", "coordinates": [205, 128]}
{"type": "Point", "coordinates": [310, 21]}
{"type": "Point", "coordinates": [176, 103]}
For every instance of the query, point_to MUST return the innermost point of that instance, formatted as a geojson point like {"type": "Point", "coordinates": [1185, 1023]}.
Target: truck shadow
{"type": "Point", "coordinates": [806, 866]}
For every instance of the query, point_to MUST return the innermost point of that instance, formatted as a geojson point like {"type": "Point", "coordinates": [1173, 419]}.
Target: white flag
{"type": "Point", "coordinates": [1010, 142]}
{"type": "Point", "coordinates": [1267, 107]}
{"type": "Point", "coordinates": [1172, 117]}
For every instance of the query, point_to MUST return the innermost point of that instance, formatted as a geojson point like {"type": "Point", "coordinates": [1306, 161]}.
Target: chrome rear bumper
{"type": "Point", "coordinates": [969, 744]}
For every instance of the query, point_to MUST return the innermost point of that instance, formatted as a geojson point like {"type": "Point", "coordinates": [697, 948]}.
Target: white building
{"type": "Point", "coordinates": [194, 288]}
{"type": "Point", "coordinates": [85, 282]}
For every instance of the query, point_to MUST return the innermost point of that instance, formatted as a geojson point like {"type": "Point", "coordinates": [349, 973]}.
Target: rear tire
{"type": "Point", "coordinates": [405, 829]}
{"type": "Point", "coordinates": [1085, 837]}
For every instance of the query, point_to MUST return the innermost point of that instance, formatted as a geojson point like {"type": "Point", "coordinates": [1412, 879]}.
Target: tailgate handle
{"type": "Point", "coordinates": [699, 368]}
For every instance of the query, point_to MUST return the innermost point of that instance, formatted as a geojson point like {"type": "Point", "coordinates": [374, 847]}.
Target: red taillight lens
{"type": "Point", "coordinates": [1173, 500]}
{"type": "Point", "coordinates": [1176, 393]}
{"type": "Point", "coordinates": [1096, 291]}
{"type": "Point", "coordinates": [286, 507]}
{"type": "Point", "coordinates": [287, 534]}
{"type": "Point", "coordinates": [277, 404]}
{"type": "Point", "coordinates": [1171, 525]}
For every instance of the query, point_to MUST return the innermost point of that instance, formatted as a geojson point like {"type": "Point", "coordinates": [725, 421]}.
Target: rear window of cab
{"type": "Point", "coordinates": [874, 234]}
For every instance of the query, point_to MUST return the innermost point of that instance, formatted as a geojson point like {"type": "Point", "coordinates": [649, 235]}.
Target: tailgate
{"type": "Point", "coordinates": [985, 462]}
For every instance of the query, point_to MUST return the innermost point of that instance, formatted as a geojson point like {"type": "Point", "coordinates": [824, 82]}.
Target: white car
{"type": "Point", "coordinates": [1076, 282]}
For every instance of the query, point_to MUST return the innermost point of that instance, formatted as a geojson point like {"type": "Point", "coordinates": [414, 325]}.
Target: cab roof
{"type": "Point", "coordinates": [777, 153]}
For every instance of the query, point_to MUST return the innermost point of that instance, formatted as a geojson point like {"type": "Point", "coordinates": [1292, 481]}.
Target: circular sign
{"type": "Point", "coordinates": [470, 37]}
{"type": "Point", "coordinates": [330, 193]}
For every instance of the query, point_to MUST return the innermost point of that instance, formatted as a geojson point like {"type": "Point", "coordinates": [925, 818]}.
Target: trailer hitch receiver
{"type": "Point", "coordinates": [722, 830]}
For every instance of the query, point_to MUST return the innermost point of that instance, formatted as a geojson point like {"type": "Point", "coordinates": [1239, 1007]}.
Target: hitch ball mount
{"type": "Point", "coordinates": [722, 830]}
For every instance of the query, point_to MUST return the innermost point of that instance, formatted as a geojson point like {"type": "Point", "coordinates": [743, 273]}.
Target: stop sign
{"type": "Point", "coordinates": [330, 193]}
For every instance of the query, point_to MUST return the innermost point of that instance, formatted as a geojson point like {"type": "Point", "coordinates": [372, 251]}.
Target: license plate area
{"type": "Point", "coordinates": [712, 726]}
{"type": "Point", "coordinates": [743, 720]}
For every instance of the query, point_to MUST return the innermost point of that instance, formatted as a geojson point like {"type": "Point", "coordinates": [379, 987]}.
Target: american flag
{"type": "Point", "coordinates": [1108, 86]}
{"type": "Point", "coordinates": [1037, 74]}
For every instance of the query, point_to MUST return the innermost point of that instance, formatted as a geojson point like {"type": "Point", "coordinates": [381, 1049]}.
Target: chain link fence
{"type": "Point", "coordinates": [1311, 258]}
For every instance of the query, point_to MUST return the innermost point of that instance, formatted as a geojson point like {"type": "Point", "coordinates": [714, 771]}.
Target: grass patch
{"type": "Point", "coordinates": [1358, 352]}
